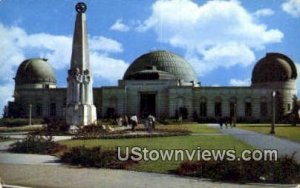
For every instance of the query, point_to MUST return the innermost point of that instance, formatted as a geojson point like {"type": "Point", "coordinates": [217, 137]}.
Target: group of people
{"type": "Point", "coordinates": [227, 121]}
{"type": "Point", "coordinates": [148, 121]}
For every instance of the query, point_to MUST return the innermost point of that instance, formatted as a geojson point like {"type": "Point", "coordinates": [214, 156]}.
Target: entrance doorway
{"type": "Point", "coordinates": [147, 104]}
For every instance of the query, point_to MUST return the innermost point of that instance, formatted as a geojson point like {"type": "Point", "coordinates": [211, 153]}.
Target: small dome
{"type": "Point", "coordinates": [161, 64]}
{"type": "Point", "coordinates": [34, 71]}
{"type": "Point", "coordinates": [274, 67]}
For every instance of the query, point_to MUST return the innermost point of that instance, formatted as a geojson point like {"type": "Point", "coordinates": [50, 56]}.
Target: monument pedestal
{"type": "Point", "coordinates": [81, 114]}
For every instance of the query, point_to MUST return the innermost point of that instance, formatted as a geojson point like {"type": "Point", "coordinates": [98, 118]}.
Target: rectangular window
{"type": "Point", "coordinates": [248, 109]}
{"type": "Point", "coordinates": [52, 109]}
{"type": "Point", "coordinates": [203, 109]}
{"type": "Point", "coordinates": [218, 109]}
{"type": "Point", "coordinates": [263, 109]}
{"type": "Point", "coordinates": [289, 107]}
{"type": "Point", "coordinates": [38, 110]}
{"type": "Point", "coordinates": [231, 109]}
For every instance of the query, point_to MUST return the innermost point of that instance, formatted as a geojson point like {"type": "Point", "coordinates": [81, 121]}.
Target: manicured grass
{"type": "Point", "coordinates": [177, 142]}
{"type": "Point", "coordinates": [195, 128]}
{"type": "Point", "coordinates": [281, 130]}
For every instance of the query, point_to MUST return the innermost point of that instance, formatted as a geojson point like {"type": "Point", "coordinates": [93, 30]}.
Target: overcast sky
{"type": "Point", "coordinates": [221, 39]}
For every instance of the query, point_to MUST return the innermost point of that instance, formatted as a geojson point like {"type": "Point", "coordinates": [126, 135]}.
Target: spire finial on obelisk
{"type": "Point", "coordinates": [80, 7]}
{"type": "Point", "coordinates": [80, 108]}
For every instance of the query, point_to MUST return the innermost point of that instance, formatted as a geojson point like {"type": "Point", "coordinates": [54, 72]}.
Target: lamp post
{"type": "Point", "coordinates": [273, 113]}
{"type": "Point", "coordinates": [30, 111]}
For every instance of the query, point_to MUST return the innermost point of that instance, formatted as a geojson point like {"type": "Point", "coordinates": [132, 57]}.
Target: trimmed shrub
{"type": "Point", "coordinates": [284, 170]}
{"type": "Point", "coordinates": [36, 144]}
{"type": "Point", "coordinates": [4, 138]}
{"type": "Point", "coordinates": [95, 157]}
{"type": "Point", "coordinates": [95, 131]}
{"type": "Point", "coordinates": [90, 131]}
{"type": "Point", "coordinates": [55, 126]}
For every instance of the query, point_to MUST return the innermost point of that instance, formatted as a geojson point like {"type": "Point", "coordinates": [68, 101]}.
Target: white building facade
{"type": "Point", "coordinates": [157, 85]}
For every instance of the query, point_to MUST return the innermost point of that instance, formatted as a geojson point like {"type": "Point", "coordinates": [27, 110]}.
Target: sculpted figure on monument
{"type": "Point", "coordinates": [78, 82]}
{"type": "Point", "coordinates": [86, 77]}
{"type": "Point", "coordinates": [86, 80]}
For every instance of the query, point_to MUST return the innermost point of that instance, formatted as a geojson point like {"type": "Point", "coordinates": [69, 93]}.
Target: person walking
{"type": "Point", "coordinates": [231, 121]}
{"type": "Point", "coordinates": [226, 122]}
{"type": "Point", "coordinates": [221, 122]}
{"type": "Point", "coordinates": [134, 122]}
{"type": "Point", "coordinates": [151, 119]}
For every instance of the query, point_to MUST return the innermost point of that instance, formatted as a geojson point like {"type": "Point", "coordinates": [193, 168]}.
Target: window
{"type": "Point", "coordinates": [111, 113]}
{"type": "Point", "coordinates": [203, 109]}
{"type": "Point", "coordinates": [38, 110]}
{"type": "Point", "coordinates": [231, 109]}
{"type": "Point", "coordinates": [183, 111]}
{"type": "Point", "coordinates": [218, 109]}
{"type": "Point", "coordinates": [113, 102]}
{"type": "Point", "coordinates": [248, 109]}
{"type": "Point", "coordinates": [289, 107]}
{"type": "Point", "coordinates": [263, 109]}
{"type": "Point", "coordinates": [52, 109]}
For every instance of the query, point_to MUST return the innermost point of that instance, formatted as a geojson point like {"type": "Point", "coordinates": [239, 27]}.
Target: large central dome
{"type": "Point", "coordinates": [160, 65]}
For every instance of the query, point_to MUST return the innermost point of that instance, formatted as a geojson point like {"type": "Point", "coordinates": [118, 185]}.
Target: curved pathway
{"type": "Point", "coordinates": [263, 141]}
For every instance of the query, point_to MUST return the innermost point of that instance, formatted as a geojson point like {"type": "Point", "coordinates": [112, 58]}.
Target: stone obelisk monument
{"type": "Point", "coordinates": [80, 108]}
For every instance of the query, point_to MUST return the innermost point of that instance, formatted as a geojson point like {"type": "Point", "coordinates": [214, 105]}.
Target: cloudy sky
{"type": "Point", "coordinates": [221, 39]}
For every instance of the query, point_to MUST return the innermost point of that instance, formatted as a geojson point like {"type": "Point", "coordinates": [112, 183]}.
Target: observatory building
{"type": "Point", "coordinates": [160, 83]}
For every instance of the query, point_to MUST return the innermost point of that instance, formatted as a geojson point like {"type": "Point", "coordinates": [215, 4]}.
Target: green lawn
{"type": "Point", "coordinates": [284, 131]}
{"type": "Point", "coordinates": [176, 142]}
{"type": "Point", "coordinates": [195, 128]}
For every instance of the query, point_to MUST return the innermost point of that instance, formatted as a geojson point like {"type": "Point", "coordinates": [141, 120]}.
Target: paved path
{"type": "Point", "coordinates": [263, 141]}
{"type": "Point", "coordinates": [63, 176]}
{"type": "Point", "coordinates": [5, 145]}
{"type": "Point", "coordinates": [18, 158]}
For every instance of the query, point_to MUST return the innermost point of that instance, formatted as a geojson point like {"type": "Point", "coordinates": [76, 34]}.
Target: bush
{"type": "Point", "coordinates": [16, 122]}
{"type": "Point", "coordinates": [90, 131]}
{"type": "Point", "coordinates": [95, 131]}
{"type": "Point", "coordinates": [37, 145]}
{"type": "Point", "coordinates": [94, 157]}
{"type": "Point", "coordinates": [284, 170]}
{"type": "Point", "coordinates": [55, 126]}
{"type": "Point", "coordinates": [4, 138]}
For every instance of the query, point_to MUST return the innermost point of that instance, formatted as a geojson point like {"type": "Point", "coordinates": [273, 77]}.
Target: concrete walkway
{"type": "Point", "coordinates": [30, 159]}
{"type": "Point", "coordinates": [263, 141]}
{"type": "Point", "coordinates": [63, 176]}
{"type": "Point", "coordinates": [21, 158]}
